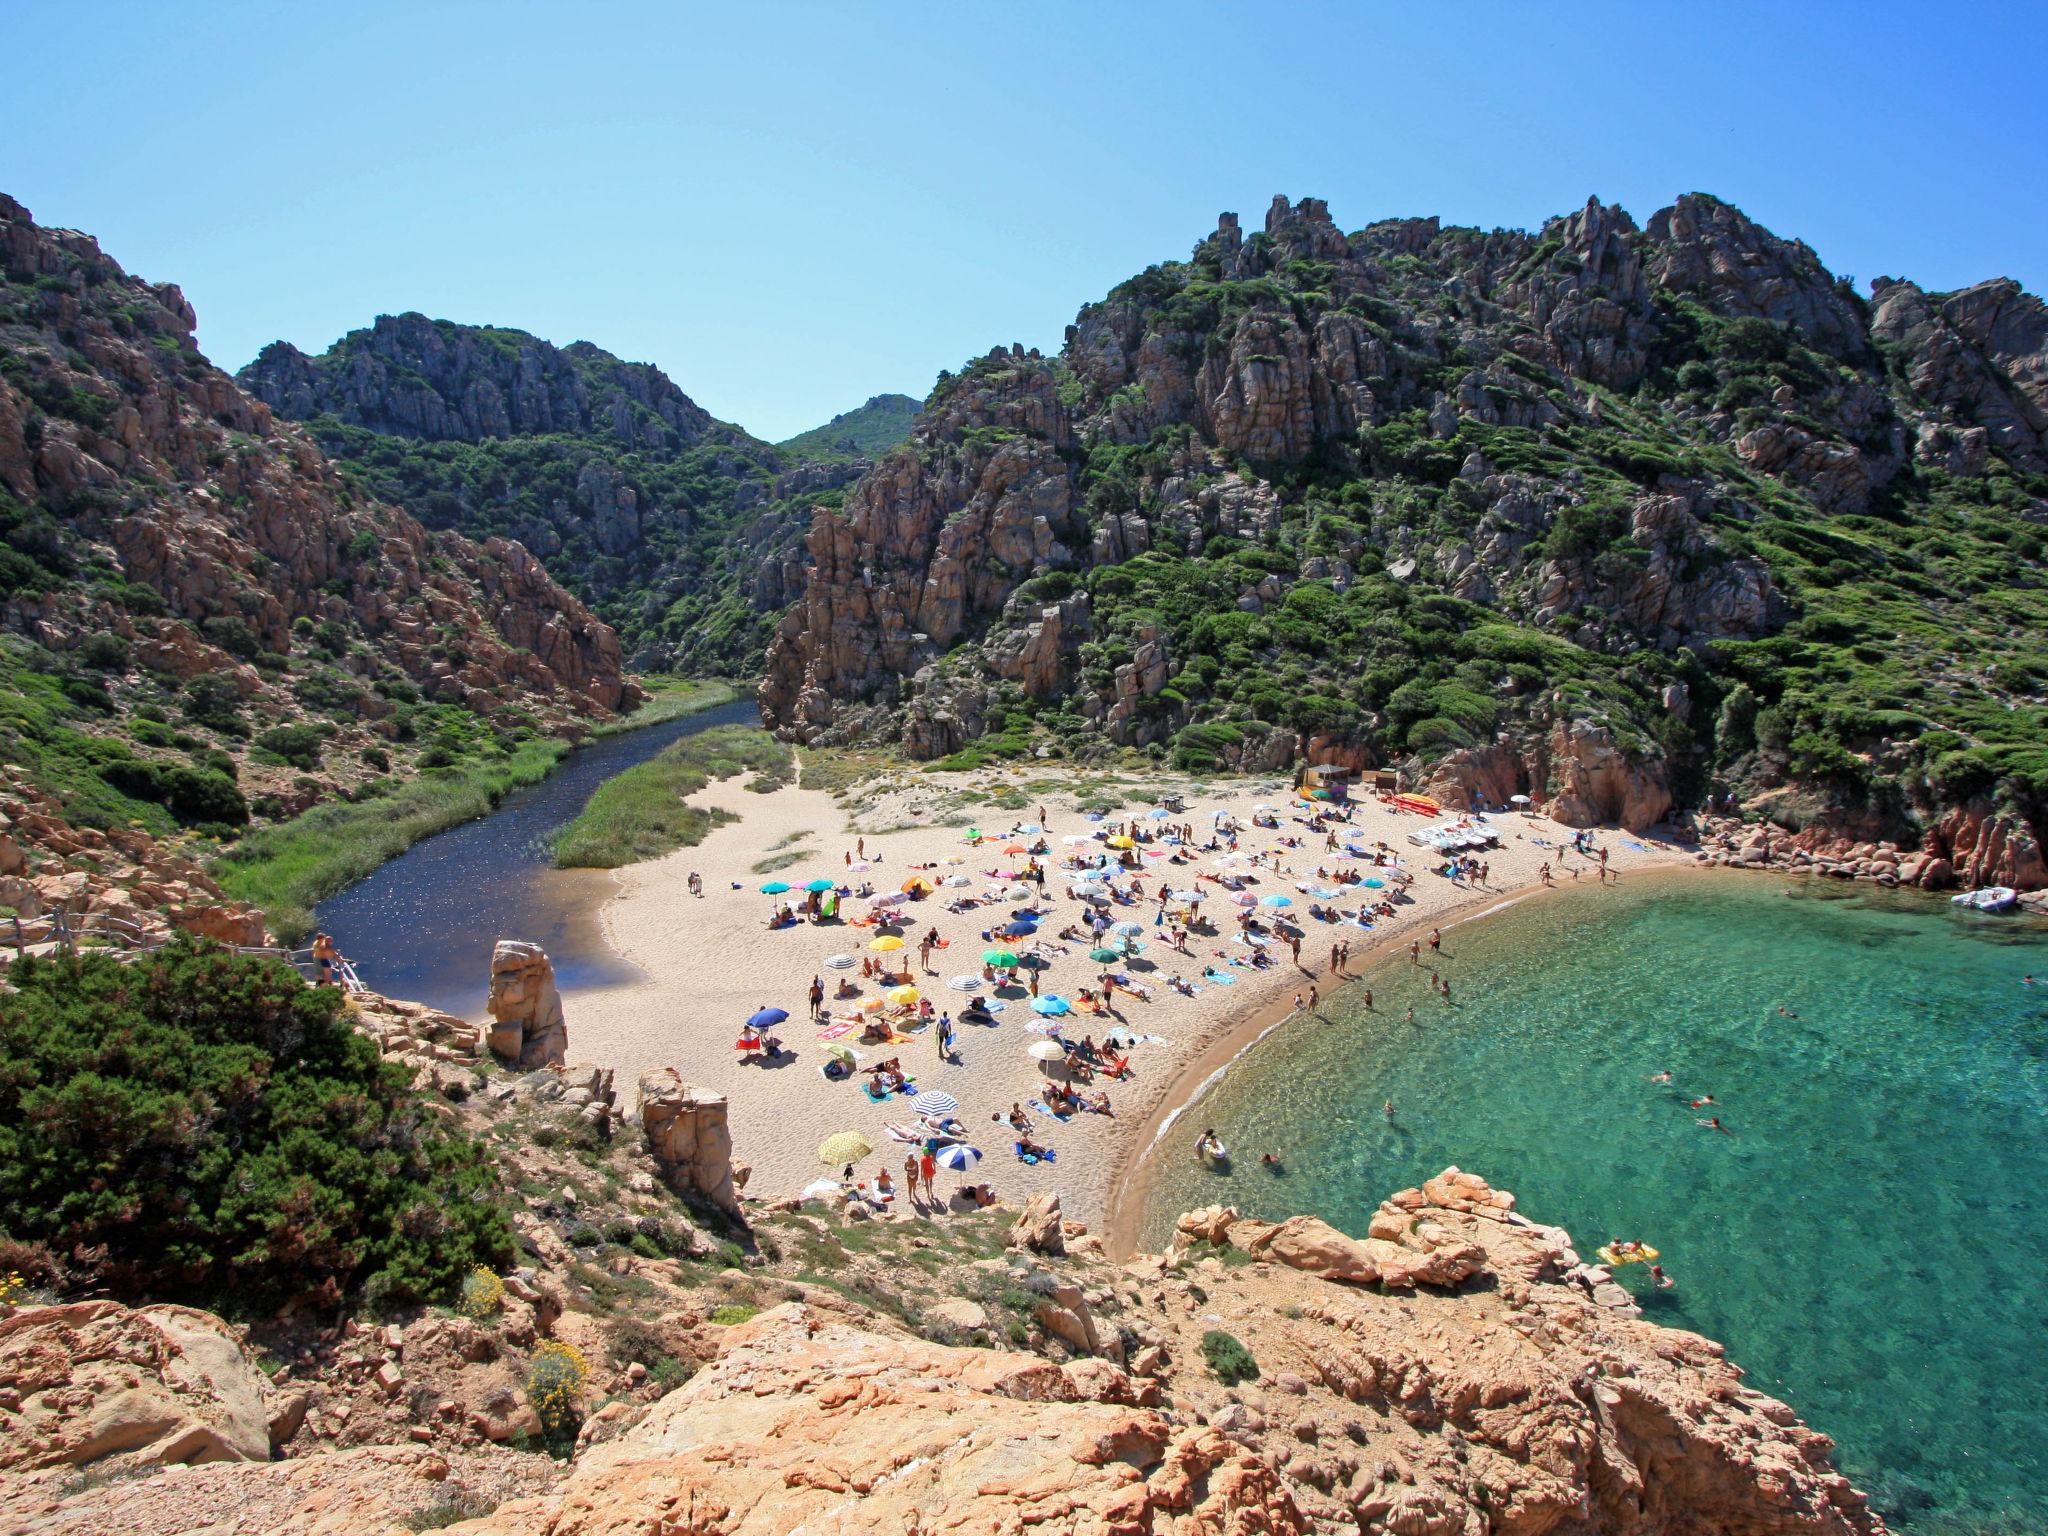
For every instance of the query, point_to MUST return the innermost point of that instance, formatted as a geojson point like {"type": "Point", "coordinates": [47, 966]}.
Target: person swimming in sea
{"type": "Point", "coordinates": [1702, 1102]}
{"type": "Point", "coordinates": [1664, 1281]}
{"type": "Point", "coordinates": [1659, 1077]}
{"type": "Point", "coordinates": [1714, 1124]}
{"type": "Point", "coordinates": [1269, 1161]}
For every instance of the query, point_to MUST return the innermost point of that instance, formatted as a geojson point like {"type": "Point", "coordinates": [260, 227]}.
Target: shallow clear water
{"type": "Point", "coordinates": [1869, 1243]}
{"type": "Point", "coordinates": [423, 925]}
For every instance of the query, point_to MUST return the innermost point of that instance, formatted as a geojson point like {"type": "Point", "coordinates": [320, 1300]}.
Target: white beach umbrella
{"type": "Point", "coordinates": [1046, 1050]}
{"type": "Point", "coordinates": [959, 1157]}
{"type": "Point", "coordinates": [965, 983]}
{"type": "Point", "coordinates": [1019, 893]}
{"type": "Point", "coordinates": [840, 962]}
{"type": "Point", "coordinates": [957, 882]}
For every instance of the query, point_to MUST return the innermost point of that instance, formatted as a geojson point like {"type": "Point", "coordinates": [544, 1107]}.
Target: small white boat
{"type": "Point", "coordinates": [1991, 898]}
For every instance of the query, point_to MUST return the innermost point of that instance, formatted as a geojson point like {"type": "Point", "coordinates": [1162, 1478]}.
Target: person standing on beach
{"type": "Point", "coordinates": [910, 1175]}
{"type": "Point", "coordinates": [1436, 940]}
{"type": "Point", "coordinates": [817, 995]}
{"type": "Point", "coordinates": [1294, 943]}
{"type": "Point", "coordinates": [929, 1167]}
{"type": "Point", "coordinates": [1415, 945]}
{"type": "Point", "coordinates": [1344, 962]}
{"type": "Point", "coordinates": [1336, 954]}
{"type": "Point", "coordinates": [1368, 999]}
{"type": "Point", "coordinates": [1313, 999]}
{"type": "Point", "coordinates": [696, 884]}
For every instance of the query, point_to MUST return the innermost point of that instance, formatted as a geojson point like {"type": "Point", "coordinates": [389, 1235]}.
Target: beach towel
{"type": "Point", "coordinates": [1046, 1109]}
{"type": "Point", "coordinates": [1221, 978]}
{"type": "Point", "coordinates": [1634, 847]}
{"type": "Point", "coordinates": [1033, 1157]}
{"type": "Point", "coordinates": [836, 1030]}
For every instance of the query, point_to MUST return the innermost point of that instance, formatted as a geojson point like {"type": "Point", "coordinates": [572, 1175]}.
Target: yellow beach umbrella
{"type": "Point", "coordinates": [870, 1005]}
{"type": "Point", "coordinates": [845, 1147]}
{"type": "Point", "coordinates": [902, 994]}
{"type": "Point", "coordinates": [887, 941]}
{"type": "Point", "coordinates": [1121, 842]}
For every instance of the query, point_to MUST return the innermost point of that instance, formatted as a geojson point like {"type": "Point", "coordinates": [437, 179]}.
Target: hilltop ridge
{"type": "Point", "coordinates": [1615, 515]}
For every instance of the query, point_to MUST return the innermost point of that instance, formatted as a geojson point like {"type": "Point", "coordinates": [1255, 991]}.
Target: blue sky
{"type": "Point", "coordinates": [792, 207]}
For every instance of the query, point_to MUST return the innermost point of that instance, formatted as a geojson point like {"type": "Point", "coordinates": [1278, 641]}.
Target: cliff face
{"type": "Point", "coordinates": [668, 521]}
{"type": "Point", "coordinates": [1422, 494]}
{"type": "Point", "coordinates": [1457, 1371]}
{"type": "Point", "coordinates": [183, 573]}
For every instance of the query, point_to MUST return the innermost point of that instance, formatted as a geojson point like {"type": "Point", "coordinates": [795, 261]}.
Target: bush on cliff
{"type": "Point", "coordinates": [206, 1127]}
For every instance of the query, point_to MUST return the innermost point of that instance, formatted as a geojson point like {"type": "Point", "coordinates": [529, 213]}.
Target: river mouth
{"type": "Point", "coordinates": [423, 925]}
{"type": "Point", "coordinates": [1867, 1240]}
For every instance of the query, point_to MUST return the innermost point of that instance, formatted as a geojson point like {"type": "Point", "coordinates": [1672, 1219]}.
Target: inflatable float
{"type": "Point", "coordinates": [1636, 1255]}
{"type": "Point", "coordinates": [1214, 1153]}
{"type": "Point", "coordinates": [1418, 803]}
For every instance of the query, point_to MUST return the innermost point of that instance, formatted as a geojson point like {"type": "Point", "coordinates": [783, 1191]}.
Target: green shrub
{"type": "Point", "coordinates": [298, 745]}
{"type": "Point", "coordinates": [105, 653]}
{"type": "Point", "coordinates": [733, 1312]}
{"type": "Point", "coordinates": [1227, 1358]}
{"type": "Point", "coordinates": [482, 1294]}
{"type": "Point", "coordinates": [196, 796]}
{"type": "Point", "coordinates": [205, 1127]}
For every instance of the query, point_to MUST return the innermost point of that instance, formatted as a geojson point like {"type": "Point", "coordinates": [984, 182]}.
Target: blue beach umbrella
{"type": "Point", "coordinates": [1017, 930]}
{"type": "Point", "coordinates": [766, 1017]}
{"type": "Point", "coordinates": [774, 887]}
{"type": "Point", "coordinates": [1276, 901]}
{"type": "Point", "coordinates": [819, 885]}
{"type": "Point", "coordinates": [1051, 1005]}
{"type": "Point", "coordinates": [959, 1157]}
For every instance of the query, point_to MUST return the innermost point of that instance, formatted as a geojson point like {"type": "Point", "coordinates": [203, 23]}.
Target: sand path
{"type": "Point", "coordinates": [708, 962]}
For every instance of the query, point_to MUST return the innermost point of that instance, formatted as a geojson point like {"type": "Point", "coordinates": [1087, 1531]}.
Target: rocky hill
{"type": "Point", "coordinates": [201, 621]}
{"type": "Point", "coordinates": [1608, 514]}
{"type": "Point", "coordinates": [672, 525]}
{"type": "Point", "coordinates": [866, 432]}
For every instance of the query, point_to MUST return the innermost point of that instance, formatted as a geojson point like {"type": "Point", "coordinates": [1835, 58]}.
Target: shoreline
{"type": "Point", "coordinates": [705, 963]}
{"type": "Point", "coordinates": [1124, 1207]}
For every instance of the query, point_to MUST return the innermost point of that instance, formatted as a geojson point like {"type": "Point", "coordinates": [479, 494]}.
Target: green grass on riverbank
{"type": "Point", "coordinates": [287, 869]}
{"type": "Point", "coordinates": [640, 814]}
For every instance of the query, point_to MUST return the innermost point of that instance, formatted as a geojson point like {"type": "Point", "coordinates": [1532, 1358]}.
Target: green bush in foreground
{"type": "Point", "coordinates": [1228, 1358]}
{"type": "Point", "coordinates": [206, 1127]}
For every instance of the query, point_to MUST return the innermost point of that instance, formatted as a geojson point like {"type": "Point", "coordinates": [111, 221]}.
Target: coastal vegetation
{"type": "Point", "coordinates": [867, 431]}
{"type": "Point", "coordinates": [199, 1126]}
{"type": "Point", "coordinates": [290, 868]}
{"type": "Point", "coordinates": [640, 814]}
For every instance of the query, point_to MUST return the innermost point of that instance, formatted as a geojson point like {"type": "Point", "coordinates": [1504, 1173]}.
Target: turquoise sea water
{"type": "Point", "coordinates": [1870, 1243]}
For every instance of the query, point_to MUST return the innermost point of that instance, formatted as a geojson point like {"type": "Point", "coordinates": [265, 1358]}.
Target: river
{"type": "Point", "coordinates": [423, 925]}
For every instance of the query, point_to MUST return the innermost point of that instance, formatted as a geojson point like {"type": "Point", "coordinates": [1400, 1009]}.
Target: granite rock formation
{"type": "Point", "coordinates": [690, 1140]}
{"type": "Point", "coordinates": [528, 1030]}
{"type": "Point", "coordinates": [1498, 507]}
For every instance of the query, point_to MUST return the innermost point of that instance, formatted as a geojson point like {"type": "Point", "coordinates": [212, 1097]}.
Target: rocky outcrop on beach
{"type": "Point", "coordinates": [690, 1140]}
{"type": "Point", "coordinates": [528, 1028]}
{"type": "Point", "coordinates": [1971, 847]}
{"type": "Point", "coordinates": [1456, 1369]}
{"type": "Point", "coordinates": [1414, 493]}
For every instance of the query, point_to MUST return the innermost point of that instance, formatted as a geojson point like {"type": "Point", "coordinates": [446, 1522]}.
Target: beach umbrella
{"type": "Point", "coordinates": [1121, 841]}
{"type": "Point", "coordinates": [952, 858]}
{"type": "Point", "coordinates": [1158, 815]}
{"type": "Point", "coordinates": [1129, 930]}
{"type": "Point", "coordinates": [1017, 930]}
{"type": "Point", "coordinates": [1018, 893]}
{"type": "Point", "coordinates": [1028, 827]}
{"type": "Point", "coordinates": [839, 1050]}
{"type": "Point", "coordinates": [1046, 1050]}
{"type": "Point", "coordinates": [766, 1017]}
{"type": "Point", "coordinates": [1077, 839]}
{"type": "Point", "coordinates": [1001, 959]}
{"type": "Point", "coordinates": [1094, 816]}
{"type": "Point", "coordinates": [933, 1102]}
{"type": "Point", "coordinates": [819, 1189]}
{"type": "Point", "coordinates": [903, 995]}
{"type": "Point", "coordinates": [887, 941]}
{"type": "Point", "coordinates": [860, 864]}
{"type": "Point", "coordinates": [1051, 1006]}
{"type": "Point", "coordinates": [1276, 900]}
{"type": "Point", "coordinates": [818, 885]}
{"type": "Point", "coordinates": [839, 962]}
{"type": "Point", "coordinates": [845, 1147]}
{"type": "Point", "coordinates": [964, 983]}
{"type": "Point", "coordinates": [892, 899]}
{"type": "Point", "coordinates": [1373, 882]}
{"type": "Point", "coordinates": [774, 887]}
{"type": "Point", "coordinates": [958, 882]}
{"type": "Point", "coordinates": [1103, 956]}
{"type": "Point", "coordinates": [1016, 848]}
{"type": "Point", "coordinates": [1243, 899]}
{"type": "Point", "coordinates": [870, 1005]}
{"type": "Point", "coordinates": [1267, 810]}
{"type": "Point", "coordinates": [1184, 895]}
{"type": "Point", "coordinates": [1519, 799]}
{"type": "Point", "coordinates": [959, 1157]}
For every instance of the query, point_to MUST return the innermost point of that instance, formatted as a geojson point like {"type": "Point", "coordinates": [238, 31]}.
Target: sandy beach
{"type": "Point", "coordinates": [709, 961]}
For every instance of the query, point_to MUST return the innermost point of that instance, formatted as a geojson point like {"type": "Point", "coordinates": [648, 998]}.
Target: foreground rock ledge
{"type": "Point", "coordinates": [1457, 1372]}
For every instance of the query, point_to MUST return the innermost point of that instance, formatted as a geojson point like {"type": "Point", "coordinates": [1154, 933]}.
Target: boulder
{"type": "Point", "coordinates": [157, 1385]}
{"type": "Point", "coordinates": [529, 1030]}
{"type": "Point", "coordinates": [688, 1135]}
{"type": "Point", "coordinates": [1038, 1228]}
